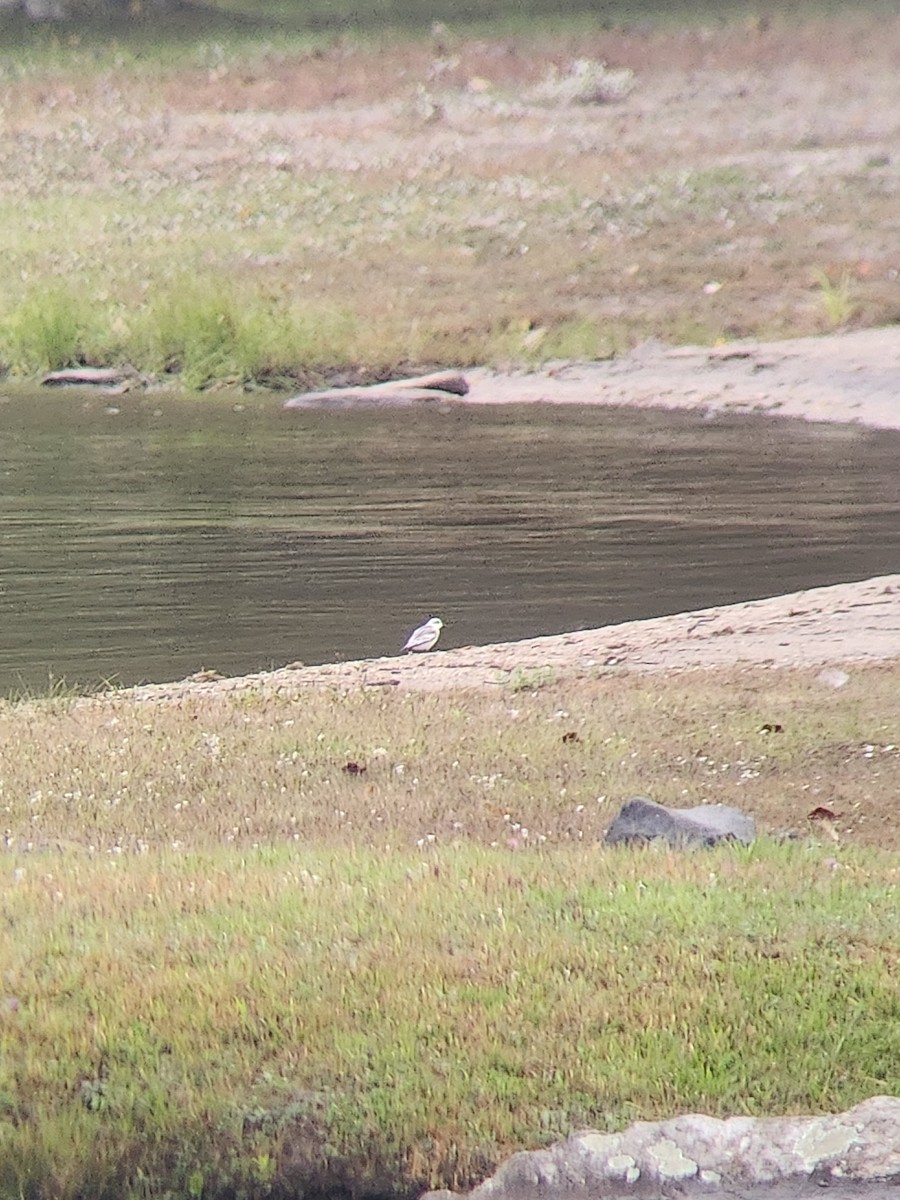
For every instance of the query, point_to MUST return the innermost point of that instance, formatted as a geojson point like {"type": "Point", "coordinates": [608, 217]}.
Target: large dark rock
{"type": "Point", "coordinates": [641, 820]}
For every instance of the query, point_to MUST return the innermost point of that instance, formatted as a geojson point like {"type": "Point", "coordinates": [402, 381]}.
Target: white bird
{"type": "Point", "coordinates": [425, 637]}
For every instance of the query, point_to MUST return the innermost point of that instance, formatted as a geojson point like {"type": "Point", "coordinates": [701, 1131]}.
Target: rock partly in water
{"type": "Point", "coordinates": [440, 386]}
{"type": "Point", "coordinates": [856, 1153]}
{"type": "Point", "coordinates": [641, 820]}
{"type": "Point", "coordinates": [117, 378]}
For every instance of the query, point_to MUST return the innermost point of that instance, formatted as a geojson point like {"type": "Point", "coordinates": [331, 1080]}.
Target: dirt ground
{"type": "Point", "coordinates": [745, 162]}
{"type": "Point", "coordinates": [464, 201]}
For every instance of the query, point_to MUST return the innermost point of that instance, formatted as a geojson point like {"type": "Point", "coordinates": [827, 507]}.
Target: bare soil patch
{"type": "Point", "coordinates": [743, 157]}
{"type": "Point", "coordinates": [744, 187]}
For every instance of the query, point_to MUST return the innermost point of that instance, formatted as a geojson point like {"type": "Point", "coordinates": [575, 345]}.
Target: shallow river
{"type": "Point", "coordinates": [148, 537]}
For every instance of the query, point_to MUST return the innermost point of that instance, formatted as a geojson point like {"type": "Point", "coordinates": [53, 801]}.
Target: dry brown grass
{"type": "Point", "coordinates": [431, 194]}
{"type": "Point", "coordinates": [533, 763]}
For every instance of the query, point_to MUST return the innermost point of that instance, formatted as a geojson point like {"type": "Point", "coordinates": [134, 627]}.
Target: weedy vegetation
{"type": "Point", "coordinates": [258, 942]}
{"type": "Point", "coordinates": [837, 298]}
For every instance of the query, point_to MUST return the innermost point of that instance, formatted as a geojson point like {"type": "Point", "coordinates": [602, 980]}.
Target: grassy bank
{"type": "Point", "coordinates": [271, 204]}
{"type": "Point", "coordinates": [259, 942]}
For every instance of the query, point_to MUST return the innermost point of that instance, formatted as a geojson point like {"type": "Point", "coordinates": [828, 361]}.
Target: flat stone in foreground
{"type": "Point", "coordinates": [856, 1153]}
{"type": "Point", "coordinates": [641, 820]}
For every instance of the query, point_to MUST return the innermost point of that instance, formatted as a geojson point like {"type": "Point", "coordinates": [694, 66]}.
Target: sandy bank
{"type": "Point", "coordinates": [845, 623]}
{"type": "Point", "coordinates": [851, 378]}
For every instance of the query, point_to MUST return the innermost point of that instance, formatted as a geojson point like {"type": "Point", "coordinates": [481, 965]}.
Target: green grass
{"type": "Point", "coordinates": [425, 1012]}
{"type": "Point", "coordinates": [235, 965]}
{"type": "Point", "coordinates": [46, 334]}
{"type": "Point", "coordinates": [201, 331]}
{"type": "Point", "coordinates": [97, 36]}
{"type": "Point", "coordinates": [836, 298]}
{"type": "Point", "coordinates": [207, 333]}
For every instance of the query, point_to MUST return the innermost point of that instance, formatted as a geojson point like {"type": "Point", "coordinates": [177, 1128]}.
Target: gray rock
{"type": "Point", "coordinates": [641, 820]}
{"type": "Point", "coordinates": [856, 1153]}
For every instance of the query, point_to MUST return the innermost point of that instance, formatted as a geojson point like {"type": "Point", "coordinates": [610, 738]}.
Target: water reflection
{"type": "Point", "coordinates": [175, 534]}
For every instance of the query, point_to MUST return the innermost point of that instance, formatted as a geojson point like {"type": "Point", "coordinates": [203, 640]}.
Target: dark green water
{"type": "Point", "coordinates": [179, 534]}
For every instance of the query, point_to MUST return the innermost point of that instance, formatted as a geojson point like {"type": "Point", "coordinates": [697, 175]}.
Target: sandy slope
{"type": "Point", "coordinates": [849, 622]}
